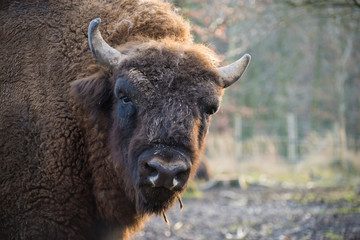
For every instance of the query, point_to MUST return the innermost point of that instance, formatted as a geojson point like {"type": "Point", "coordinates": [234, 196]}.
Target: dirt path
{"type": "Point", "coordinates": [262, 213]}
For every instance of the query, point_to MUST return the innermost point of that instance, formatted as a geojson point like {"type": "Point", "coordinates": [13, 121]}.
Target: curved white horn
{"type": "Point", "coordinates": [102, 52]}
{"type": "Point", "coordinates": [231, 73]}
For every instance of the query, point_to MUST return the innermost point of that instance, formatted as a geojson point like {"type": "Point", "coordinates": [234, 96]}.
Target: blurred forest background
{"type": "Point", "coordinates": [296, 113]}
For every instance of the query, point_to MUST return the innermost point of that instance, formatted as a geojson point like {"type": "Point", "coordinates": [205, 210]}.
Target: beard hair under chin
{"type": "Point", "coordinates": [143, 207]}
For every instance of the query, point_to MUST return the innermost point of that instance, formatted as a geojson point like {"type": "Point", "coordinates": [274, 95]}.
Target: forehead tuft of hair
{"type": "Point", "coordinates": [203, 54]}
{"type": "Point", "coordinates": [153, 20]}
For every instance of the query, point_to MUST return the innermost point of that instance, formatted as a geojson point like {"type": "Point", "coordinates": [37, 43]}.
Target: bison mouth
{"type": "Point", "coordinates": [156, 199]}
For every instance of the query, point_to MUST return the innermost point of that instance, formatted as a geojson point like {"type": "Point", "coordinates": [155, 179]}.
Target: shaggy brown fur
{"type": "Point", "coordinates": [68, 152]}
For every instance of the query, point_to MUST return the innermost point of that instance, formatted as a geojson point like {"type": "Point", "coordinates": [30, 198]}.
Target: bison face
{"type": "Point", "coordinates": [157, 106]}
{"type": "Point", "coordinates": [154, 102]}
{"type": "Point", "coordinates": [162, 104]}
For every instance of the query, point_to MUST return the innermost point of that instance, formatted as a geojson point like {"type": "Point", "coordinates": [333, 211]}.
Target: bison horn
{"type": "Point", "coordinates": [102, 52]}
{"type": "Point", "coordinates": [231, 73]}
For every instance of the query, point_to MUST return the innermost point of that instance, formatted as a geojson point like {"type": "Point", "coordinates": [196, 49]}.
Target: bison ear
{"type": "Point", "coordinates": [94, 91]}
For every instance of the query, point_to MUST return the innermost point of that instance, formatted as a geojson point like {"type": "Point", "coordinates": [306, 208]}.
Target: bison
{"type": "Point", "coordinates": [94, 140]}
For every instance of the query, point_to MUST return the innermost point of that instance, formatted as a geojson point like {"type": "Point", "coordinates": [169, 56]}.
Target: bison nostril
{"type": "Point", "coordinates": [151, 170]}
{"type": "Point", "coordinates": [181, 178]}
{"type": "Point", "coordinates": [181, 175]}
{"type": "Point", "coordinates": [151, 174]}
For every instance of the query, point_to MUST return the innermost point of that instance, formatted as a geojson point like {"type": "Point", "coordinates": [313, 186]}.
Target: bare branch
{"type": "Point", "coordinates": [356, 3]}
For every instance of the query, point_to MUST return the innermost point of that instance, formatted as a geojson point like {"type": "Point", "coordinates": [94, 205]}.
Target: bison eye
{"type": "Point", "coordinates": [211, 109]}
{"type": "Point", "coordinates": [125, 100]}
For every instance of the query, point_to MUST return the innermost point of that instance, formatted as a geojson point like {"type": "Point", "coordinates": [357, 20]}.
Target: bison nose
{"type": "Point", "coordinates": [171, 175]}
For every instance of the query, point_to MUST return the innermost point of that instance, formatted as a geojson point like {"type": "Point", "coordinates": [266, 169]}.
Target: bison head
{"type": "Point", "coordinates": [157, 98]}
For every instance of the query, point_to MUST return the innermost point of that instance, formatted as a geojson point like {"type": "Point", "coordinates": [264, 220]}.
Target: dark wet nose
{"type": "Point", "coordinates": [159, 173]}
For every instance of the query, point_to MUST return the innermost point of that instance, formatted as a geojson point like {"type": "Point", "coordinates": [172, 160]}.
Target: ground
{"type": "Point", "coordinates": [261, 212]}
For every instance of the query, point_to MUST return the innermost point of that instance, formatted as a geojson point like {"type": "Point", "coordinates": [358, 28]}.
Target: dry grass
{"type": "Point", "coordinates": [261, 160]}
